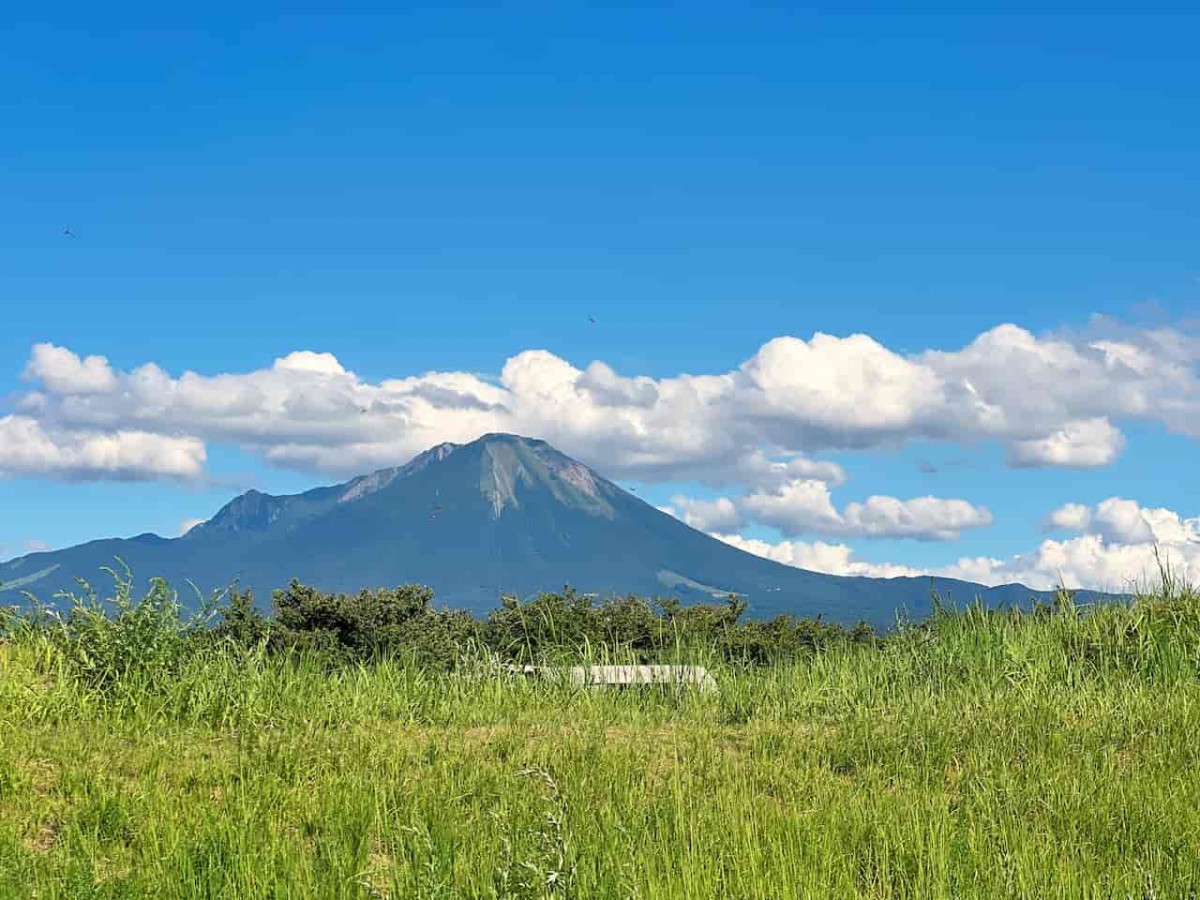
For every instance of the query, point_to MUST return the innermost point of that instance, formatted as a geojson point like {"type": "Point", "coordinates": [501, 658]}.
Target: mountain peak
{"type": "Point", "coordinates": [511, 465]}
{"type": "Point", "coordinates": [502, 437]}
{"type": "Point", "coordinates": [252, 511]}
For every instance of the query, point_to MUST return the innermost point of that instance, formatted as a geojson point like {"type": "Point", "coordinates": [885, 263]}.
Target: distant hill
{"type": "Point", "coordinates": [502, 514]}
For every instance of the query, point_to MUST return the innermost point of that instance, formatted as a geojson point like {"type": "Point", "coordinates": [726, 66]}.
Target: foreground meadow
{"type": "Point", "coordinates": [1050, 755]}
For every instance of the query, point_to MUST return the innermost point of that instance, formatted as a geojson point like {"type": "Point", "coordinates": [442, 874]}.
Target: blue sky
{"type": "Point", "coordinates": [446, 188]}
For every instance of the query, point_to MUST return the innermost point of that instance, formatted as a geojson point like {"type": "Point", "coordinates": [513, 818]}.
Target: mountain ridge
{"type": "Point", "coordinates": [501, 514]}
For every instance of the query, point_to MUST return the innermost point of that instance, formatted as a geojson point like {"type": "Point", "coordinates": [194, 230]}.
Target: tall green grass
{"type": "Point", "coordinates": [979, 754]}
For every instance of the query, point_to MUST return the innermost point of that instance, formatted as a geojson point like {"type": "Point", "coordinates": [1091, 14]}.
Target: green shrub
{"type": "Point", "coordinates": [100, 643]}
{"type": "Point", "coordinates": [372, 623]}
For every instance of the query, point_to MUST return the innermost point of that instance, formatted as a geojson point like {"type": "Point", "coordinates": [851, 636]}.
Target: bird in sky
{"type": "Point", "coordinates": [592, 319]}
{"type": "Point", "coordinates": [67, 233]}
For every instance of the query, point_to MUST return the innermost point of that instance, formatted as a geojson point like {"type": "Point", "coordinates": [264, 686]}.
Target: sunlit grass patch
{"type": "Point", "coordinates": [1052, 754]}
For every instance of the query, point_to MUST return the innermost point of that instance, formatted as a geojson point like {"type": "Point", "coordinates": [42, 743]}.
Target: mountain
{"type": "Point", "coordinates": [502, 514]}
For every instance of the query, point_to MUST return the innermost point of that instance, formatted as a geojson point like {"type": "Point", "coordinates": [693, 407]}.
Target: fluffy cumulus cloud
{"type": "Point", "coordinates": [1125, 522]}
{"type": "Point", "coordinates": [1078, 445]}
{"type": "Point", "coordinates": [1116, 550]}
{"type": "Point", "coordinates": [1056, 394]}
{"type": "Point", "coordinates": [837, 392]}
{"type": "Point", "coordinates": [818, 556]}
{"type": "Point", "coordinates": [805, 507]}
{"type": "Point", "coordinates": [1049, 400]}
{"type": "Point", "coordinates": [1069, 517]}
{"type": "Point", "coordinates": [63, 372]}
{"type": "Point", "coordinates": [30, 449]}
{"type": "Point", "coordinates": [706, 515]}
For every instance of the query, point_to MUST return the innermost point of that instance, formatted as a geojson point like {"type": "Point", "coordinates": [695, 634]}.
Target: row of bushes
{"type": "Point", "coordinates": [105, 640]}
{"type": "Point", "coordinates": [363, 625]}
{"type": "Point", "coordinates": [131, 643]}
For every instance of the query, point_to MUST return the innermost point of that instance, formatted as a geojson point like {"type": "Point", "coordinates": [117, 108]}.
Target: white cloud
{"type": "Point", "coordinates": [29, 450]}
{"type": "Point", "coordinates": [1050, 401]}
{"type": "Point", "coordinates": [1126, 522]}
{"type": "Point", "coordinates": [804, 506]}
{"type": "Point", "coordinates": [1078, 445]}
{"type": "Point", "coordinates": [1070, 517]}
{"type": "Point", "coordinates": [1117, 552]}
{"type": "Point", "coordinates": [838, 391]}
{"type": "Point", "coordinates": [835, 559]}
{"type": "Point", "coordinates": [758, 470]}
{"type": "Point", "coordinates": [706, 515]}
{"type": "Point", "coordinates": [1087, 561]}
{"type": "Point", "coordinates": [188, 524]}
{"type": "Point", "coordinates": [308, 361]}
{"type": "Point", "coordinates": [1116, 549]}
{"type": "Point", "coordinates": [1040, 386]}
{"type": "Point", "coordinates": [795, 508]}
{"type": "Point", "coordinates": [63, 372]}
{"type": "Point", "coordinates": [927, 518]}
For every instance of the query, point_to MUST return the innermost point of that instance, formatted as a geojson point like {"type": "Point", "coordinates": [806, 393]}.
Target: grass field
{"type": "Point", "coordinates": [1053, 755]}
